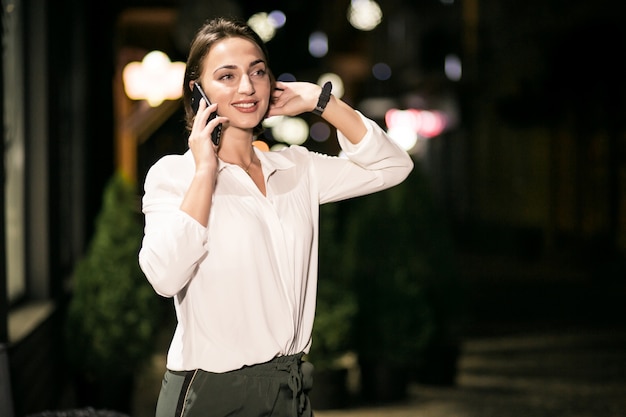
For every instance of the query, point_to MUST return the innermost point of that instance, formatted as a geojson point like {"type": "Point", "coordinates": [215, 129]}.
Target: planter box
{"type": "Point", "coordinates": [330, 390]}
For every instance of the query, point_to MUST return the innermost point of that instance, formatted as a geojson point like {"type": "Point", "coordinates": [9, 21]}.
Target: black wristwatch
{"type": "Point", "coordinates": [324, 98]}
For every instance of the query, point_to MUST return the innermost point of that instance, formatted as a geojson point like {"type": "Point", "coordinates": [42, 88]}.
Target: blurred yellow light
{"type": "Point", "coordinates": [291, 130]}
{"type": "Point", "coordinates": [270, 122]}
{"type": "Point", "coordinates": [364, 14]}
{"type": "Point", "coordinates": [278, 147]}
{"type": "Point", "coordinates": [338, 88]}
{"type": "Point", "coordinates": [259, 144]}
{"type": "Point", "coordinates": [263, 25]}
{"type": "Point", "coordinates": [154, 79]}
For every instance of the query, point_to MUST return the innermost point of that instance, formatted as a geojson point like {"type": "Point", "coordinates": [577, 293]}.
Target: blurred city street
{"type": "Point", "coordinates": [493, 277]}
{"type": "Point", "coordinates": [577, 373]}
{"type": "Point", "coordinates": [547, 341]}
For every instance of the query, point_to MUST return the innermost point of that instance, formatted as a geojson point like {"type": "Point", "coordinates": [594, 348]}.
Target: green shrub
{"type": "Point", "coordinates": [113, 313]}
{"type": "Point", "coordinates": [336, 303]}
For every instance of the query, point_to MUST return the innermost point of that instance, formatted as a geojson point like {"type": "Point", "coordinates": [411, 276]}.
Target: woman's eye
{"type": "Point", "coordinates": [259, 72]}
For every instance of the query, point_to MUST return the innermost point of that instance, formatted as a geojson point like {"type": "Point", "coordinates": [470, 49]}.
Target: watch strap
{"type": "Point", "coordinates": [324, 98]}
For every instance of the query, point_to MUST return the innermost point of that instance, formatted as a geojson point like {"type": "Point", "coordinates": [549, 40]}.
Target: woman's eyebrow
{"type": "Point", "coordinates": [233, 66]}
{"type": "Point", "coordinates": [223, 67]}
{"type": "Point", "coordinates": [257, 61]}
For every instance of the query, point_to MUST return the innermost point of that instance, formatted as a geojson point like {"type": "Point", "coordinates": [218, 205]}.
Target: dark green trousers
{"type": "Point", "coordinates": [274, 389]}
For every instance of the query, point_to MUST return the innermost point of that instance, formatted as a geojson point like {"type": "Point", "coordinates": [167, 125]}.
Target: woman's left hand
{"type": "Point", "coordinates": [293, 98]}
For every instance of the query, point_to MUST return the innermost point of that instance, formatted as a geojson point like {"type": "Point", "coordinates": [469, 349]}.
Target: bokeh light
{"type": "Point", "coordinates": [381, 71]}
{"type": "Point", "coordinates": [318, 44]}
{"type": "Point", "coordinates": [277, 19]}
{"type": "Point", "coordinates": [259, 144]}
{"type": "Point", "coordinates": [433, 123]}
{"type": "Point", "coordinates": [278, 147]}
{"type": "Point", "coordinates": [320, 131]}
{"type": "Point", "coordinates": [404, 136]}
{"type": "Point", "coordinates": [154, 79]}
{"type": "Point", "coordinates": [453, 67]}
{"type": "Point", "coordinates": [364, 14]}
{"type": "Point", "coordinates": [262, 25]}
{"type": "Point", "coordinates": [286, 77]}
{"type": "Point", "coordinates": [376, 107]}
{"type": "Point", "coordinates": [290, 130]}
{"type": "Point", "coordinates": [270, 122]}
{"type": "Point", "coordinates": [424, 123]}
{"type": "Point", "coordinates": [338, 88]}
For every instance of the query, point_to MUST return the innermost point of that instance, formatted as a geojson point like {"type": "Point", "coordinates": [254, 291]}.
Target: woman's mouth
{"type": "Point", "coordinates": [246, 107]}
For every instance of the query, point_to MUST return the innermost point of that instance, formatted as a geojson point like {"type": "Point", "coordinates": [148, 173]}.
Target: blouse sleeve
{"type": "Point", "coordinates": [375, 163]}
{"type": "Point", "coordinates": [173, 241]}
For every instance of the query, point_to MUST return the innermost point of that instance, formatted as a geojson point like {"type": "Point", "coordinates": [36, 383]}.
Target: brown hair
{"type": "Point", "coordinates": [210, 33]}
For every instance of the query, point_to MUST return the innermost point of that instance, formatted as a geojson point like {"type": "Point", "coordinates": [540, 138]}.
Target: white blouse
{"type": "Point", "coordinates": [244, 287]}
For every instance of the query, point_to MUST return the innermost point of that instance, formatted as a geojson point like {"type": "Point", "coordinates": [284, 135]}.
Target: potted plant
{"type": "Point", "coordinates": [398, 256]}
{"type": "Point", "coordinates": [113, 313]}
{"type": "Point", "coordinates": [335, 311]}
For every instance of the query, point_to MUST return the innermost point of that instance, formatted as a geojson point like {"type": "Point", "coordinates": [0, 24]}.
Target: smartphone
{"type": "Point", "coordinates": [197, 95]}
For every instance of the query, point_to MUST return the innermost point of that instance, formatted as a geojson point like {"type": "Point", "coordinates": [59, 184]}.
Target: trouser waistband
{"type": "Point", "coordinates": [290, 369]}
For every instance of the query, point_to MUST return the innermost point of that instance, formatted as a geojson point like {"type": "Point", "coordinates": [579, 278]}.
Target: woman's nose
{"type": "Point", "coordinates": [246, 86]}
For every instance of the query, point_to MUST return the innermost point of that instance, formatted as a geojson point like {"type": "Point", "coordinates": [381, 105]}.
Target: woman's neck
{"type": "Point", "coordinates": [236, 148]}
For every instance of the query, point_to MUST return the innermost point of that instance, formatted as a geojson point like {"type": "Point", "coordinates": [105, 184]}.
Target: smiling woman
{"type": "Point", "coordinates": [231, 232]}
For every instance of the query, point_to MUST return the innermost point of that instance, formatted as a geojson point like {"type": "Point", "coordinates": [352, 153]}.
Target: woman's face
{"type": "Point", "coordinates": [235, 76]}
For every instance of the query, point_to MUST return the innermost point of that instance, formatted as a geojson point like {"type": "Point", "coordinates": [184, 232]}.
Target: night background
{"type": "Point", "coordinates": [500, 261]}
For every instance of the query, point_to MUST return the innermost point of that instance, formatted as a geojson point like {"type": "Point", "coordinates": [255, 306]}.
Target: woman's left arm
{"type": "Point", "coordinates": [293, 98]}
{"type": "Point", "coordinates": [374, 162]}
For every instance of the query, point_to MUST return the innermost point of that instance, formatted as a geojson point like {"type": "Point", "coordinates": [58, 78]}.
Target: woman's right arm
{"type": "Point", "coordinates": [174, 241]}
{"type": "Point", "coordinates": [177, 202]}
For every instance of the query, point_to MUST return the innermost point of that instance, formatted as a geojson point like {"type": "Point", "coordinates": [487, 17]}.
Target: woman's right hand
{"type": "Point", "coordinates": [203, 150]}
{"type": "Point", "coordinates": [197, 201]}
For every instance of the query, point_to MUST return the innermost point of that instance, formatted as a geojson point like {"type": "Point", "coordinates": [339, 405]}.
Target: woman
{"type": "Point", "coordinates": [231, 231]}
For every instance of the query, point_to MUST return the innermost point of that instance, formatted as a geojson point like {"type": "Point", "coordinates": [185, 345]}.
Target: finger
{"type": "Point", "coordinates": [204, 112]}
{"type": "Point", "coordinates": [212, 124]}
{"type": "Point", "coordinates": [217, 123]}
{"type": "Point", "coordinates": [276, 95]}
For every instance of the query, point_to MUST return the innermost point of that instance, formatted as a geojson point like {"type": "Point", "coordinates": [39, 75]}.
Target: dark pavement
{"type": "Point", "coordinates": [546, 340]}
{"type": "Point", "coordinates": [578, 373]}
